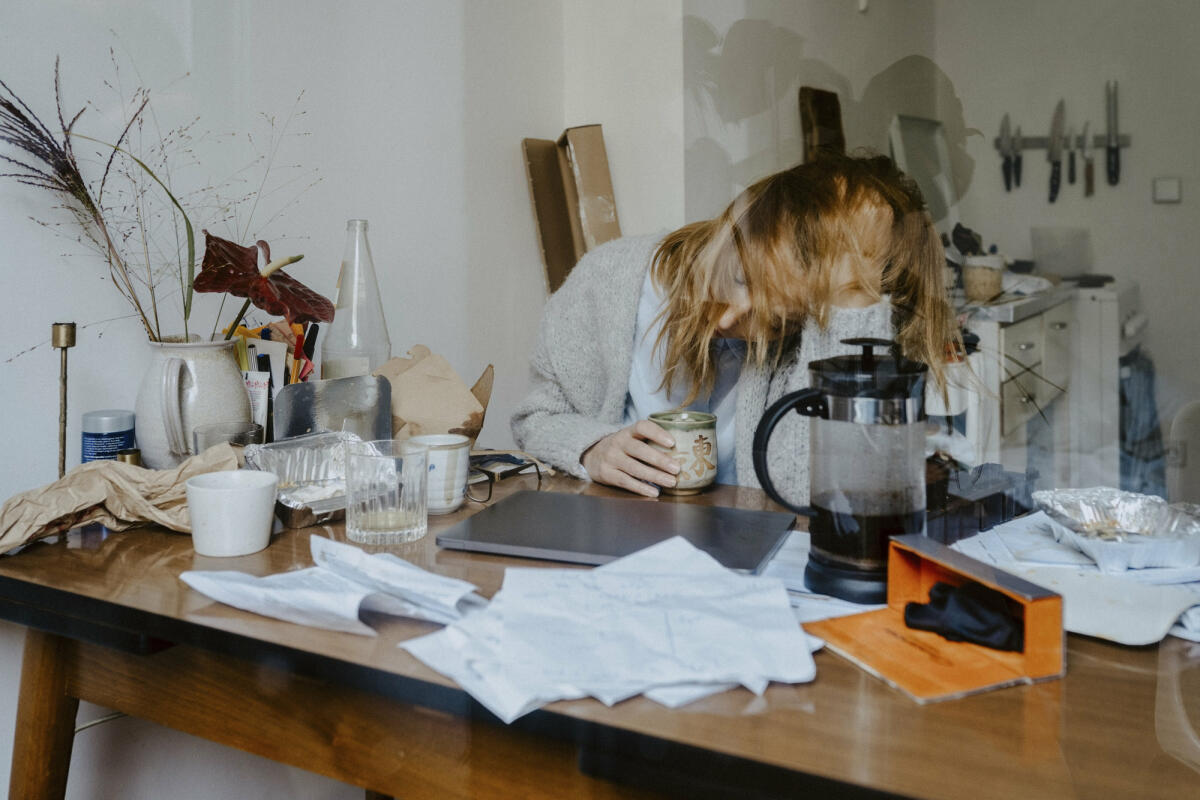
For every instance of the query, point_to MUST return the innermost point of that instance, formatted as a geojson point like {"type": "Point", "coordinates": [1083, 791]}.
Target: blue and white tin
{"type": "Point", "coordinates": [105, 433]}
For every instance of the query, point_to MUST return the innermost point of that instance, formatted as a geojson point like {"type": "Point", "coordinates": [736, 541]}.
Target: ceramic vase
{"type": "Point", "coordinates": [186, 385]}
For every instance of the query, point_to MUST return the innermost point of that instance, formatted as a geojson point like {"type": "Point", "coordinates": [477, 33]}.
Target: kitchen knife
{"type": "Point", "coordinates": [1070, 155]}
{"type": "Point", "coordinates": [1089, 168]}
{"type": "Point", "coordinates": [1006, 164]}
{"type": "Point", "coordinates": [1054, 149]}
{"type": "Point", "coordinates": [1113, 143]}
{"type": "Point", "coordinates": [1018, 143]}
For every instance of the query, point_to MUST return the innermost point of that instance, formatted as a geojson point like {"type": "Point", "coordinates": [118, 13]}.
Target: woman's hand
{"type": "Point", "coordinates": [626, 460]}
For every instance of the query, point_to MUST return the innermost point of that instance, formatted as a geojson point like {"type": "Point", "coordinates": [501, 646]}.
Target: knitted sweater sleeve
{"type": "Point", "coordinates": [580, 363]}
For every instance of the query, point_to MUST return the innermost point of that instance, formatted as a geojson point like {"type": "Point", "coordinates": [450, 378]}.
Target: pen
{"type": "Point", "coordinates": [310, 340]}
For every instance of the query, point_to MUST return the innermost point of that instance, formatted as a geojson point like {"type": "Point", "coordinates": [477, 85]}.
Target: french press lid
{"type": "Point", "coordinates": [871, 386]}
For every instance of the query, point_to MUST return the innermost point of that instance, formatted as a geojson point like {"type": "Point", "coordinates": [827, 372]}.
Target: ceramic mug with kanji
{"type": "Point", "coordinates": [695, 450]}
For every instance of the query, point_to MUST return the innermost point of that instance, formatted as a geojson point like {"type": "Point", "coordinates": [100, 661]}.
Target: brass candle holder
{"type": "Point", "coordinates": [62, 336]}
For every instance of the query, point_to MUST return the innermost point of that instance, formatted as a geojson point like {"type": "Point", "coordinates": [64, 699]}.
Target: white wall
{"type": "Point", "coordinates": [414, 116]}
{"type": "Point", "coordinates": [624, 68]}
{"type": "Point", "coordinates": [415, 112]}
{"type": "Point", "coordinates": [744, 64]}
{"type": "Point", "coordinates": [1021, 57]}
{"type": "Point", "coordinates": [967, 62]}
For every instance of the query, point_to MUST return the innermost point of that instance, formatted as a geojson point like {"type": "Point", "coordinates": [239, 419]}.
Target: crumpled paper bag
{"type": "Point", "coordinates": [429, 397]}
{"type": "Point", "coordinates": [113, 493]}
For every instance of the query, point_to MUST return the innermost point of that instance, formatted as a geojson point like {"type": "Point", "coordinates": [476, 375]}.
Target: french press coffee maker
{"type": "Point", "coordinates": [867, 470]}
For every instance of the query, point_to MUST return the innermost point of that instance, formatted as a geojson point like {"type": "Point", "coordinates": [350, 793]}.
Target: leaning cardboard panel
{"type": "Point", "coordinates": [589, 189]}
{"type": "Point", "coordinates": [550, 211]}
{"type": "Point", "coordinates": [573, 202]}
{"type": "Point", "coordinates": [923, 664]}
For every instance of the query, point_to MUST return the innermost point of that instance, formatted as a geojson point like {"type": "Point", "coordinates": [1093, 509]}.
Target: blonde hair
{"type": "Point", "coordinates": [799, 240]}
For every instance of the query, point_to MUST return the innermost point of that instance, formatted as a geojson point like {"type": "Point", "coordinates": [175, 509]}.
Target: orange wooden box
{"type": "Point", "coordinates": [923, 664]}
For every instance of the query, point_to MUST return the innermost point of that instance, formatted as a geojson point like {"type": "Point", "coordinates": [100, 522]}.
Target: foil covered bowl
{"type": "Point", "coordinates": [312, 476]}
{"type": "Point", "coordinates": [1122, 530]}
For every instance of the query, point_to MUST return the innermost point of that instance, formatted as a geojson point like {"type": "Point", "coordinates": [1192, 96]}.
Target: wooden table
{"type": "Point", "coordinates": [111, 623]}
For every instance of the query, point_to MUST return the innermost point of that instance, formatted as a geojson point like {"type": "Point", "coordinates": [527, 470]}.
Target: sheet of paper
{"type": "Point", "coordinates": [668, 622]}
{"type": "Point", "coordinates": [788, 565]}
{"type": "Point", "coordinates": [345, 582]}
{"type": "Point", "coordinates": [315, 597]}
{"type": "Point", "coordinates": [442, 598]}
{"type": "Point", "coordinates": [1133, 607]}
{"type": "Point", "coordinates": [1032, 541]}
{"type": "Point", "coordinates": [1113, 607]}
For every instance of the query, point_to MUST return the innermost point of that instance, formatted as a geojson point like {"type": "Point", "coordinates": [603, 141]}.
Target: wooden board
{"type": "Point", "coordinates": [821, 122]}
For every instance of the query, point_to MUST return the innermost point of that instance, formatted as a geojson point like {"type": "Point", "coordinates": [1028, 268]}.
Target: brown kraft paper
{"type": "Point", "coordinates": [115, 494]}
{"type": "Point", "coordinates": [429, 397]}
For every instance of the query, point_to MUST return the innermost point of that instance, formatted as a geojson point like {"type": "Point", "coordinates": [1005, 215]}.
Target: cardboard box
{"type": "Point", "coordinates": [429, 397]}
{"type": "Point", "coordinates": [573, 203]}
{"type": "Point", "coordinates": [923, 664]}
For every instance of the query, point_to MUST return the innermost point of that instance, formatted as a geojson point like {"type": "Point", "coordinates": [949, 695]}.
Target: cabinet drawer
{"type": "Point", "coordinates": [1058, 331]}
{"type": "Point", "coordinates": [1021, 344]}
{"type": "Point", "coordinates": [1019, 401]}
{"type": "Point", "coordinates": [1023, 397]}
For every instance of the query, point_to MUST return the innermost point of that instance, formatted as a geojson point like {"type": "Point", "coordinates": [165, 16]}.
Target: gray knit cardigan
{"type": "Point", "coordinates": [583, 355]}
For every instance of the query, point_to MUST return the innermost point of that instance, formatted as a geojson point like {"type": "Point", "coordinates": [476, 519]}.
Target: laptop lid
{"type": "Point", "coordinates": [580, 529]}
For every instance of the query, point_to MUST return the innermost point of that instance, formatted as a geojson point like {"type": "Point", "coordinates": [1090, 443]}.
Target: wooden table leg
{"type": "Point", "coordinates": [45, 720]}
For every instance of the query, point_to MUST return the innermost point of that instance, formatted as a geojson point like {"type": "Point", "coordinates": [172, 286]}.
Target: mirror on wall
{"type": "Point", "coordinates": [919, 148]}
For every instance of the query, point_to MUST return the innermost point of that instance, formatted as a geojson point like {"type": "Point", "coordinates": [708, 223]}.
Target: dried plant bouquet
{"type": "Point", "coordinates": [141, 229]}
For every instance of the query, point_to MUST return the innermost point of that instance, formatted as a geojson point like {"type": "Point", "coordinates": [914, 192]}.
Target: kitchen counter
{"type": "Point", "coordinates": [1016, 309]}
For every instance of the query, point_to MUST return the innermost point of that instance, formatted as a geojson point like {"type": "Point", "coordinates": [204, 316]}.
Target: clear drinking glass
{"type": "Point", "coordinates": [386, 484]}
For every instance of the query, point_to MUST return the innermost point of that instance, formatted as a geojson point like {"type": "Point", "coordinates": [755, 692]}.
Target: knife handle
{"type": "Point", "coordinates": [1071, 167]}
{"type": "Point", "coordinates": [1055, 179]}
{"type": "Point", "coordinates": [1089, 177]}
{"type": "Point", "coordinates": [1114, 165]}
{"type": "Point", "coordinates": [1007, 167]}
{"type": "Point", "coordinates": [1017, 170]}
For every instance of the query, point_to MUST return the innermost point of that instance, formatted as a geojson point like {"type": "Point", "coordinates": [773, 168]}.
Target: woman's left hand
{"type": "Point", "coordinates": [625, 459]}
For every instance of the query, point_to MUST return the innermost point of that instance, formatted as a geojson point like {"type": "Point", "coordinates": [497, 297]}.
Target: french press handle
{"type": "Point", "coordinates": [808, 402]}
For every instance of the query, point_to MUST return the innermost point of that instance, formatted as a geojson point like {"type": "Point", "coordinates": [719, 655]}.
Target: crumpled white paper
{"type": "Point", "coordinates": [788, 564]}
{"type": "Point", "coordinates": [1135, 607]}
{"type": "Point", "coordinates": [668, 622]}
{"type": "Point", "coordinates": [344, 582]}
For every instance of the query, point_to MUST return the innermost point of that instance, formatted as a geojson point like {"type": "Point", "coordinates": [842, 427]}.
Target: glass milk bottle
{"type": "Point", "coordinates": [356, 342]}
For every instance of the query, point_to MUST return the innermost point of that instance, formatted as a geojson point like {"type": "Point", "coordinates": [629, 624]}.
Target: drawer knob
{"type": "Point", "coordinates": [1058, 326]}
{"type": "Point", "coordinates": [1025, 346]}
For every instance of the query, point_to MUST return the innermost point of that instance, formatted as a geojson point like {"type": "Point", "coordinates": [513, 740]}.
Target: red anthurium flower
{"type": "Point", "coordinates": [229, 267]}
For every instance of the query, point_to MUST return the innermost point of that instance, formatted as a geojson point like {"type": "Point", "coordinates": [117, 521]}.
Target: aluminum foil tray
{"type": "Point", "coordinates": [312, 476]}
{"type": "Point", "coordinates": [1124, 530]}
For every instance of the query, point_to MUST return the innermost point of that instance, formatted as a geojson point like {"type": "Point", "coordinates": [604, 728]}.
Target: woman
{"type": "Point", "coordinates": [725, 314]}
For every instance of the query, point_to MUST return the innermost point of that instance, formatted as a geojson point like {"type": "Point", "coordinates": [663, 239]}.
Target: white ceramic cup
{"type": "Point", "coordinates": [449, 463]}
{"type": "Point", "coordinates": [232, 511]}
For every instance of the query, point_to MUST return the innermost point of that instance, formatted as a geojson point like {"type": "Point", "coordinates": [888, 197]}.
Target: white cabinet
{"type": "Point", "coordinates": [1109, 324]}
{"type": "Point", "coordinates": [1023, 369]}
{"type": "Point", "coordinates": [1055, 356]}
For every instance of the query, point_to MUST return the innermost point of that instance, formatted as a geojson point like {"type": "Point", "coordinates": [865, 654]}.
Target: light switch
{"type": "Point", "coordinates": [1168, 190]}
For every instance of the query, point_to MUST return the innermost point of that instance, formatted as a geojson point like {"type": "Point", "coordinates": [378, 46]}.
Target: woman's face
{"type": "Point", "coordinates": [731, 323]}
{"type": "Point", "coordinates": [857, 274]}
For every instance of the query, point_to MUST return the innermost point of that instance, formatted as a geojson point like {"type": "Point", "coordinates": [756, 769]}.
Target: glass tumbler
{"type": "Point", "coordinates": [386, 484]}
